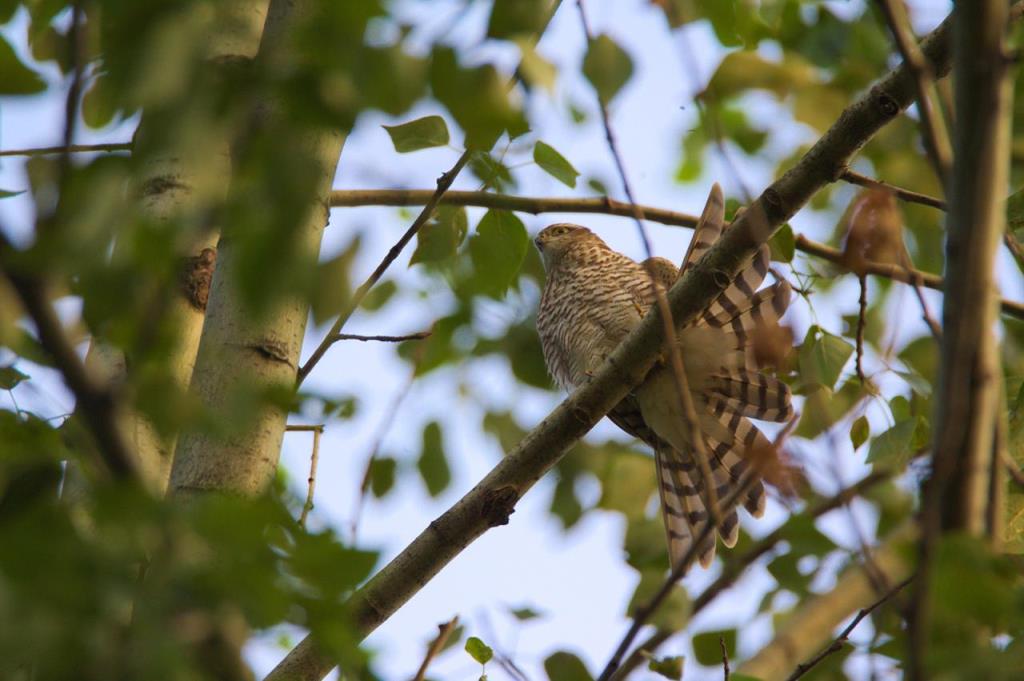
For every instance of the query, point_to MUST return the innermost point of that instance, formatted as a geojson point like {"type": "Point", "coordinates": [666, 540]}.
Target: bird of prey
{"type": "Point", "coordinates": [593, 297]}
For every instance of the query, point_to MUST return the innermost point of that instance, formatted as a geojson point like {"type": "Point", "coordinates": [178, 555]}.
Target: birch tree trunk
{"type": "Point", "coordinates": [180, 180]}
{"type": "Point", "coordinates": [242, 351]}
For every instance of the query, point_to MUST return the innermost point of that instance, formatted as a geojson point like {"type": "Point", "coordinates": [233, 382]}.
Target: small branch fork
{"type": "Point", "coordinates": [844, 636]}
{"type": "Point", "coordinates": [443, 184]}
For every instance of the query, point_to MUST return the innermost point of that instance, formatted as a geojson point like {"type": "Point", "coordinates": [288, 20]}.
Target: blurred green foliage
{"type": "Point", "coordinates": [127, 586]}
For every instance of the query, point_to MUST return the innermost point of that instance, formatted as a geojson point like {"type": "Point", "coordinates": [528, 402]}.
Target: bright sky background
{"type": "Point", "coordinates": [577, 579]}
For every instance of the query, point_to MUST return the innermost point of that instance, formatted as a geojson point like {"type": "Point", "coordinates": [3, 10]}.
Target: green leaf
{"type": "Point", "coordinates": [7, 193]}
{"type": "Point", "coordinates": [536, 70]}
{"type": "Point", "coordinates": [822, 357]}
{"type": "Point", "coordinates": [517, 17]}
{"type": "Point", "coordinates": [669, 667]}
{"type": "Point", "coordinates": [10, 377]}
{"type": "Point", "coordinates": [379, 295]}
{"type": "Point", "coordinates": [333, 290]}
{"type": "Point", "coordinates": [783, 244]}
{"type": "Point", "coordinates": [707, 647]}
{"type": "Point", "coordinates": [892, 449]}
{"type": "Point", "coordinates": [491, 171]}
{"type": "Point", "coordinates": [432, 464]}
{"type": "Point", "coordinates": [1015, 210]}
{"type": "Point", "coordinates": [422, 133]}
{"type": "Point", "coordinates": [15, 77]}
{"type": "Point", "coordinates": [563, 666]}
{"type": "Point", "coordinates": [823, 407]}
{"type": "Point", "coordinates": [477, 97]}
{"type": "Point", "coordinates": [524, 614]}
{"type": "Point", "coordinates": [479, 650]}
{"type": "Point", "coordinates": [497, 250]}
{"type": "Point", "coordinates": [98, 104]}
{"type": "Point", "coordinates": [382, 476]}
{"type": "Point", "coordinates": [607, 66]}
{"type": "Point", "coordinates": [859, 432]}
{"type": "Point", "coordinates": [746, 70]}
{"type": "Point", "coordinates": [554, 164]}
{"type": "Point", "coordinates": [439, 239]}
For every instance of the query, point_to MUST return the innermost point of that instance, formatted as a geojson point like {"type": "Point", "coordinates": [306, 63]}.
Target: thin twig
{"type": "Point", "coordinates": [301, 428]}
{"type": "Point", "coordinates": [445, 631]}
{"type": "Point", "coordinates": [862, 313]}
{"type": "Point", "coordinates": [933, 127]}
{"type": "Point", "coordinates": [606, 206]}
{"type": "Point", "coordinates": [890, 271]}
{"type": "Point", "coordinates": [844, 636]}
{"type": "Point", "coordinates": [686, 404]}
{"type": "Point", "coordinates": [419, 335]}
{"type": "Point", "coordinates": [899, 192]}
{"type": "Point", "coordinates": [725, 658]}
{"type": "Point", "coordinates": [443, 184]}
{"type": "Point", "coordinates": [314, 458]}
{"type": "Point", "coordinates": [70, 149]}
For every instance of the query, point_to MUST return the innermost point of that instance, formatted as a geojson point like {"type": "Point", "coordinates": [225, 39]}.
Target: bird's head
{"type": "Point", "coordinates": [555, 241]}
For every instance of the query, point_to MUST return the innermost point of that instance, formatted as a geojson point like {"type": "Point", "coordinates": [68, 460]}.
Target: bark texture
{"type": "Point", "coordinates": [245, 353]}
{"type": "Point", "coordinates": [177, 180]}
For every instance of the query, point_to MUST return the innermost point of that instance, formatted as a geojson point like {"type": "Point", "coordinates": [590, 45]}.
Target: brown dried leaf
{"type": "Point", "coordinates": [778, 469]}
{"type": "Point", "coordinates": [874, 230]}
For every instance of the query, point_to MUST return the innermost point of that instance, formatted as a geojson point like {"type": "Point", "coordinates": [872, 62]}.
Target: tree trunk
{"type": "Point", "coordinates": [244, 352]}
{"type": "Point", "coordinates": [178, 181]}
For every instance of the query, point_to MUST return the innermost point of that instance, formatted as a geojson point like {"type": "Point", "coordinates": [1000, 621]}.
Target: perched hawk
{"type": "Point", "coordinates": [594, 297]}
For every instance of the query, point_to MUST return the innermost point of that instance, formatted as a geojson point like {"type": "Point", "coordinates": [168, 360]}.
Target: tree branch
{"type": "Point", "coordinates": [444, 632]}
{"type": "Point", "coordinates": [419, 335]}
{"type": "Point", "coordinates": [605, 206]}
{"type": "Point", "coordinates": [70, 149]}
{"type": "Point", "coordinates": [900, 193]}
{"type": "Point", "coordinates": [956, 496]}
{"type": "Point", "coordinates": [844, 636]}
{"type": "Point", "coordinates": [491, 501]}
{"type": "Point", "coordinates": [443, 184]}
{"type": "Point", "coordinates": [933, 127]}
{"type": "Point", "coordinates": [895, 272]}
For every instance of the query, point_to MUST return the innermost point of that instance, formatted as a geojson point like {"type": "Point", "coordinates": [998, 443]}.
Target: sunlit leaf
{"type": "Point", "coordinates": [422, 133]}
{"type": "Point", "coordinates": [536, 70]}
{"type": "Point", "coordinates": [554, 164]}
{"type": "Point", "coordinates": [479, 650]}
